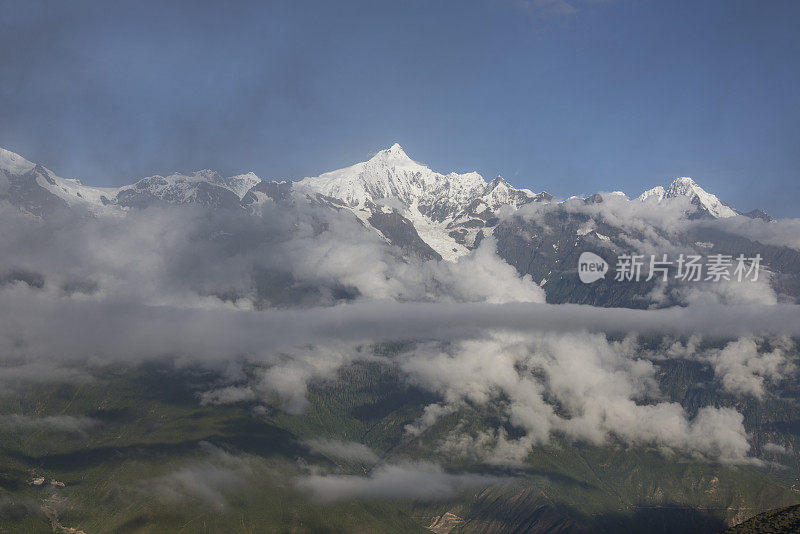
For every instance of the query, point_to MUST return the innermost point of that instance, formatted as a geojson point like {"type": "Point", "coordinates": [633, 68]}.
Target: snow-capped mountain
{"type": "Point", "coordinates": [11, 163]}
{"type": "Point", "coordinates": [446, 210]}
{"type": "Point", "coordinates": [391, 174]}
{"type": "Point", "coordinates": [500, 193]}
{"type": "Point", "coordinates": [39, 190]}
{"type": "Point", "coordinates": [706, 203]}
{"type": "Point", "coordinates": [434, 215]}
{"type": "Point", "coordinates": [656, 193]}
{"type": "Point", "coordinates": [205, 187]}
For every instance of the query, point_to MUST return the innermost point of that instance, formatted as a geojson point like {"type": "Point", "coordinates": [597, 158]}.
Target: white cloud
{"type": "Point", "coordinates": [204, 482]}
{"type": "Point", "coordinates": [728, 292]}
{"type": "Point", "coordinates": [344, 450]}
{"type": "Point", "coordinates": [227, 395]}
{"type": "Point", "coordinates": [774, 449]}
{"type": "Point", "coordinates": [742, 367]}
{"type": "Point", "coordinates": [51, 423]}
{"type": "Point", "coordinates": [288, 378]}
{"type": "Point", "coordinates": [482, 276]}
{"type": "Point", "coordinates": [578, 385]}
{"type": "Point", "coordinates": [413, 480]}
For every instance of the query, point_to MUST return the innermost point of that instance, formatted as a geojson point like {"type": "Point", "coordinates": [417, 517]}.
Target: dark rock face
{"type": "Point", "coordinates": [279, 192]}
{"type": "Point", "coordinates": [549, 251]}
{"type": "Point", "coordinates": [400, 232]}
{"type": "Point", "coordinates": [24, 191]}
{"type": "Point", "coordinates": [216, 197]}
{"type": "Point", "coordinates": [597, 198]}
{"type": "Point", "coordinates": [758, 214]}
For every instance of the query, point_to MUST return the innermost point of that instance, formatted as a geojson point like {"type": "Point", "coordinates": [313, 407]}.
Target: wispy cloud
{"type": "Point", "coordinates": [555, 8]}
{"type": "Point", "coordinates": [548, 7]}
{"type": "Point", "coordinates": [205, 482]}
{"type": "Point", "coordinates": [344, 450]}
{"type": "Point", "coordinates": [51, 423]}
{"type": "Point", "coordinates": [413, 480]}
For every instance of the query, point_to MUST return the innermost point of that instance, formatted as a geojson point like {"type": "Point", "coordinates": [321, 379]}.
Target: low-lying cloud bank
{"type": "Point", "coordinates": [413, 480]}
{"type": "Point", "coordinates": [52, 423]}
{"type": "Point", "coordinates": [283, 257]}
{"type": "Point", "coordinates": [551, 368]}
{"type": "Point", "coordinates": [207, 482]}
{"type": "Point", "coordinates": [343, 450]}
{"type": "Point", "coordinates": [38, 326]}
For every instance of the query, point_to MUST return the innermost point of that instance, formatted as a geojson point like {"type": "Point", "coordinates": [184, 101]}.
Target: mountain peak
{"type": "Point", "coordinates": [683, 186]}
{"type": "Point", "coordinates": [498, 181]}
{"type": "Point", "coordinates": [14, 163]}
{"type": "Point", "coordinates": [657, 192]}
{"type": "Point", "coordinates": [686, 187]}
{"type": "Point", "coordinates": [393, 154]}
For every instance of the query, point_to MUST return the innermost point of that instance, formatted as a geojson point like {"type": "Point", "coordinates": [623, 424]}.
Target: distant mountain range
{"type": "Point", "coordinates": [438, 215]}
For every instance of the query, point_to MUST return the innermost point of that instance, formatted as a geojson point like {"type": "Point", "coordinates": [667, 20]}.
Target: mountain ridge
{"type": "Point", "coordinates": [445, 212]}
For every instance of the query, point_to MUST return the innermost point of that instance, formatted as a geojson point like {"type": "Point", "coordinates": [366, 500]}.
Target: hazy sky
{"type": "Point", "coordinates": [569, 96]}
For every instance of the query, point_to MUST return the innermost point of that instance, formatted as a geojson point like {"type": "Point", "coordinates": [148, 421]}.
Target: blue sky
{"type": "Point", "coordinates": [568, 96]}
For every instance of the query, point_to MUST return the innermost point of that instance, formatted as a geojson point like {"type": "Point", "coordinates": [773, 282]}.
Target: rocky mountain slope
{"type": "Point", "coordinates": [780, 521]}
